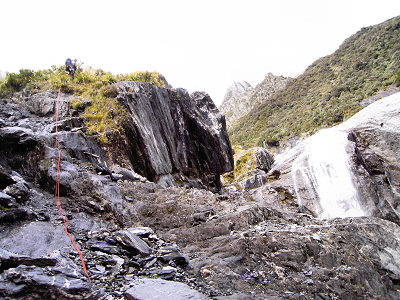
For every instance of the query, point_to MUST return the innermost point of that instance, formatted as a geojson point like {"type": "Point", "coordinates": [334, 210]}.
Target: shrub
{"type": "Point", "coordinates": [108, 78]}
{"type": "Point", "coordinates": [84, 77]}
{"type": "Point", "coordinates": [15, 82]}
{"type": "Point", "coordinates": [397, 79]}
{"type": "Point", "coordinates": [145, 76]}
{"type": "Point", "coordinates": [61, 80]}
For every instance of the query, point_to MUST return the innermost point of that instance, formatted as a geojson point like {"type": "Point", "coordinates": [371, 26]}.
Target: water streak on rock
{"type": "Point", "coordinates": [325, 168]}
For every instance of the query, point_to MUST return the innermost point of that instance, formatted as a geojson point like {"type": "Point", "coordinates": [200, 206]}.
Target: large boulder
{"type": "Point", "coordinates": [173, 133]}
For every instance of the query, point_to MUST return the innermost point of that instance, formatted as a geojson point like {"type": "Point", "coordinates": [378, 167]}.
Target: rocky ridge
{"type": "Point", "coordinates": [236, 100]}
{"type": "Point", "coordinates": [241, 97]}
{"type": "Point", "coordinates": [139, 237]}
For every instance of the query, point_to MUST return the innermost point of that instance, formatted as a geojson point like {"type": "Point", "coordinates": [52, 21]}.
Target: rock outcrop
{"type": "Point", "coordinates": [37, 259]}
{"type": "Point", "coordinates": [251, 168]}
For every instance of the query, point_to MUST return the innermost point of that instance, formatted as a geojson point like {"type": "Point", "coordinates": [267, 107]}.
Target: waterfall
{"type": "Point", "coordinates": [322, 172]}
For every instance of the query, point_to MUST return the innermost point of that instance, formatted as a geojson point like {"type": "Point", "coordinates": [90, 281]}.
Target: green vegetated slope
{"type": "Point", "coordinates": [105, 114]}
{"type": "Point", "coordinates": [329, 91]}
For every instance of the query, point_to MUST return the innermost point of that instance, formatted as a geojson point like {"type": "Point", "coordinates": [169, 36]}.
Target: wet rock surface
{"type": "Point", "coordinates": [370, 156]}
{"type": "Point", "coordinates": [142, 240]}
{"type": "Point", "coordinates": [161, 289]}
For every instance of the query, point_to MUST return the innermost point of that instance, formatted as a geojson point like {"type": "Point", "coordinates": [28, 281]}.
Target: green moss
{"type": "Point", "coordinates": [244, 161]}
{"type": "Point", "coordinates": [396, 79]}
{"type": "Point", "coordinates": [77, 103]}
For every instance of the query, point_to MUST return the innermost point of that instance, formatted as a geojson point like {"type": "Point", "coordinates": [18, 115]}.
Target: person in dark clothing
{"type": "Point", "coordinates": [70, 67]}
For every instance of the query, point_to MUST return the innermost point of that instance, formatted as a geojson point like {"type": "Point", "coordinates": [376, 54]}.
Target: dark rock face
{"type": "Point", "coordinates": [34, 280]}
{"type": "Point", "coordinates": [264, 159]}
{"type": "Point", "coordinates": [174, 133]}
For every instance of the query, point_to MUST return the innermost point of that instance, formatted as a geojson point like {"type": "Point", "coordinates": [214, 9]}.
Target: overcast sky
{"type": "Point", "coordinates": [198, 45]}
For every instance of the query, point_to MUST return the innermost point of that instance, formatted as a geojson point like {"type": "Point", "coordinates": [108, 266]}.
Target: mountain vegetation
{"type": "Point", "coordinates": [329, 91]}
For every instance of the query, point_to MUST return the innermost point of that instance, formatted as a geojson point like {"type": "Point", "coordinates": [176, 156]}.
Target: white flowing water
{"type": "Point", "coordinates": [324, 169]}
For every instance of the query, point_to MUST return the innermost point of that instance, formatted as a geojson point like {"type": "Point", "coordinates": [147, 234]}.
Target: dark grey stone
{"type": "Point", "coordinates": [132, 243]}
{"type": "Point", "coordinates": [167, 254]}
{"type": "Point", "coordinates": [166, 273]}
{"type": "Point", "coordinates": [15, 214]}
{"type": "Point", "coordinates": [36, 280]}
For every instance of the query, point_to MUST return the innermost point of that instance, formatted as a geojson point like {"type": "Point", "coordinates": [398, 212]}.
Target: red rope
{"type": "Point", "coordinates": [58, 101]}
{"type": "Point", "coordinates": [61, 212]}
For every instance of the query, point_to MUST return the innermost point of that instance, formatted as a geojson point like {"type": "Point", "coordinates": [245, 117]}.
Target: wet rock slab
{"type": "Point", "coordinates": [31, 279]}
{"type": "Point", "coordinates": [159, 289]}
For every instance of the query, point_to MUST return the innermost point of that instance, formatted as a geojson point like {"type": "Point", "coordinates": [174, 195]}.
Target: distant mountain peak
{"type": "Point", "coordinates": [241, 97]}
{"type": "Point", "coordinates": [237, 89]}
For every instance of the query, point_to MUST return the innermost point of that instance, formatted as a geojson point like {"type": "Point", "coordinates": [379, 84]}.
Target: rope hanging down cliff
{"type": "Point", "coordinates": [61, 211]}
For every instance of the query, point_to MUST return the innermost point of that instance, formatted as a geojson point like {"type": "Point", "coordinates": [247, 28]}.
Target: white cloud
{"type": "Point", "coordinates": [198, 45]}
